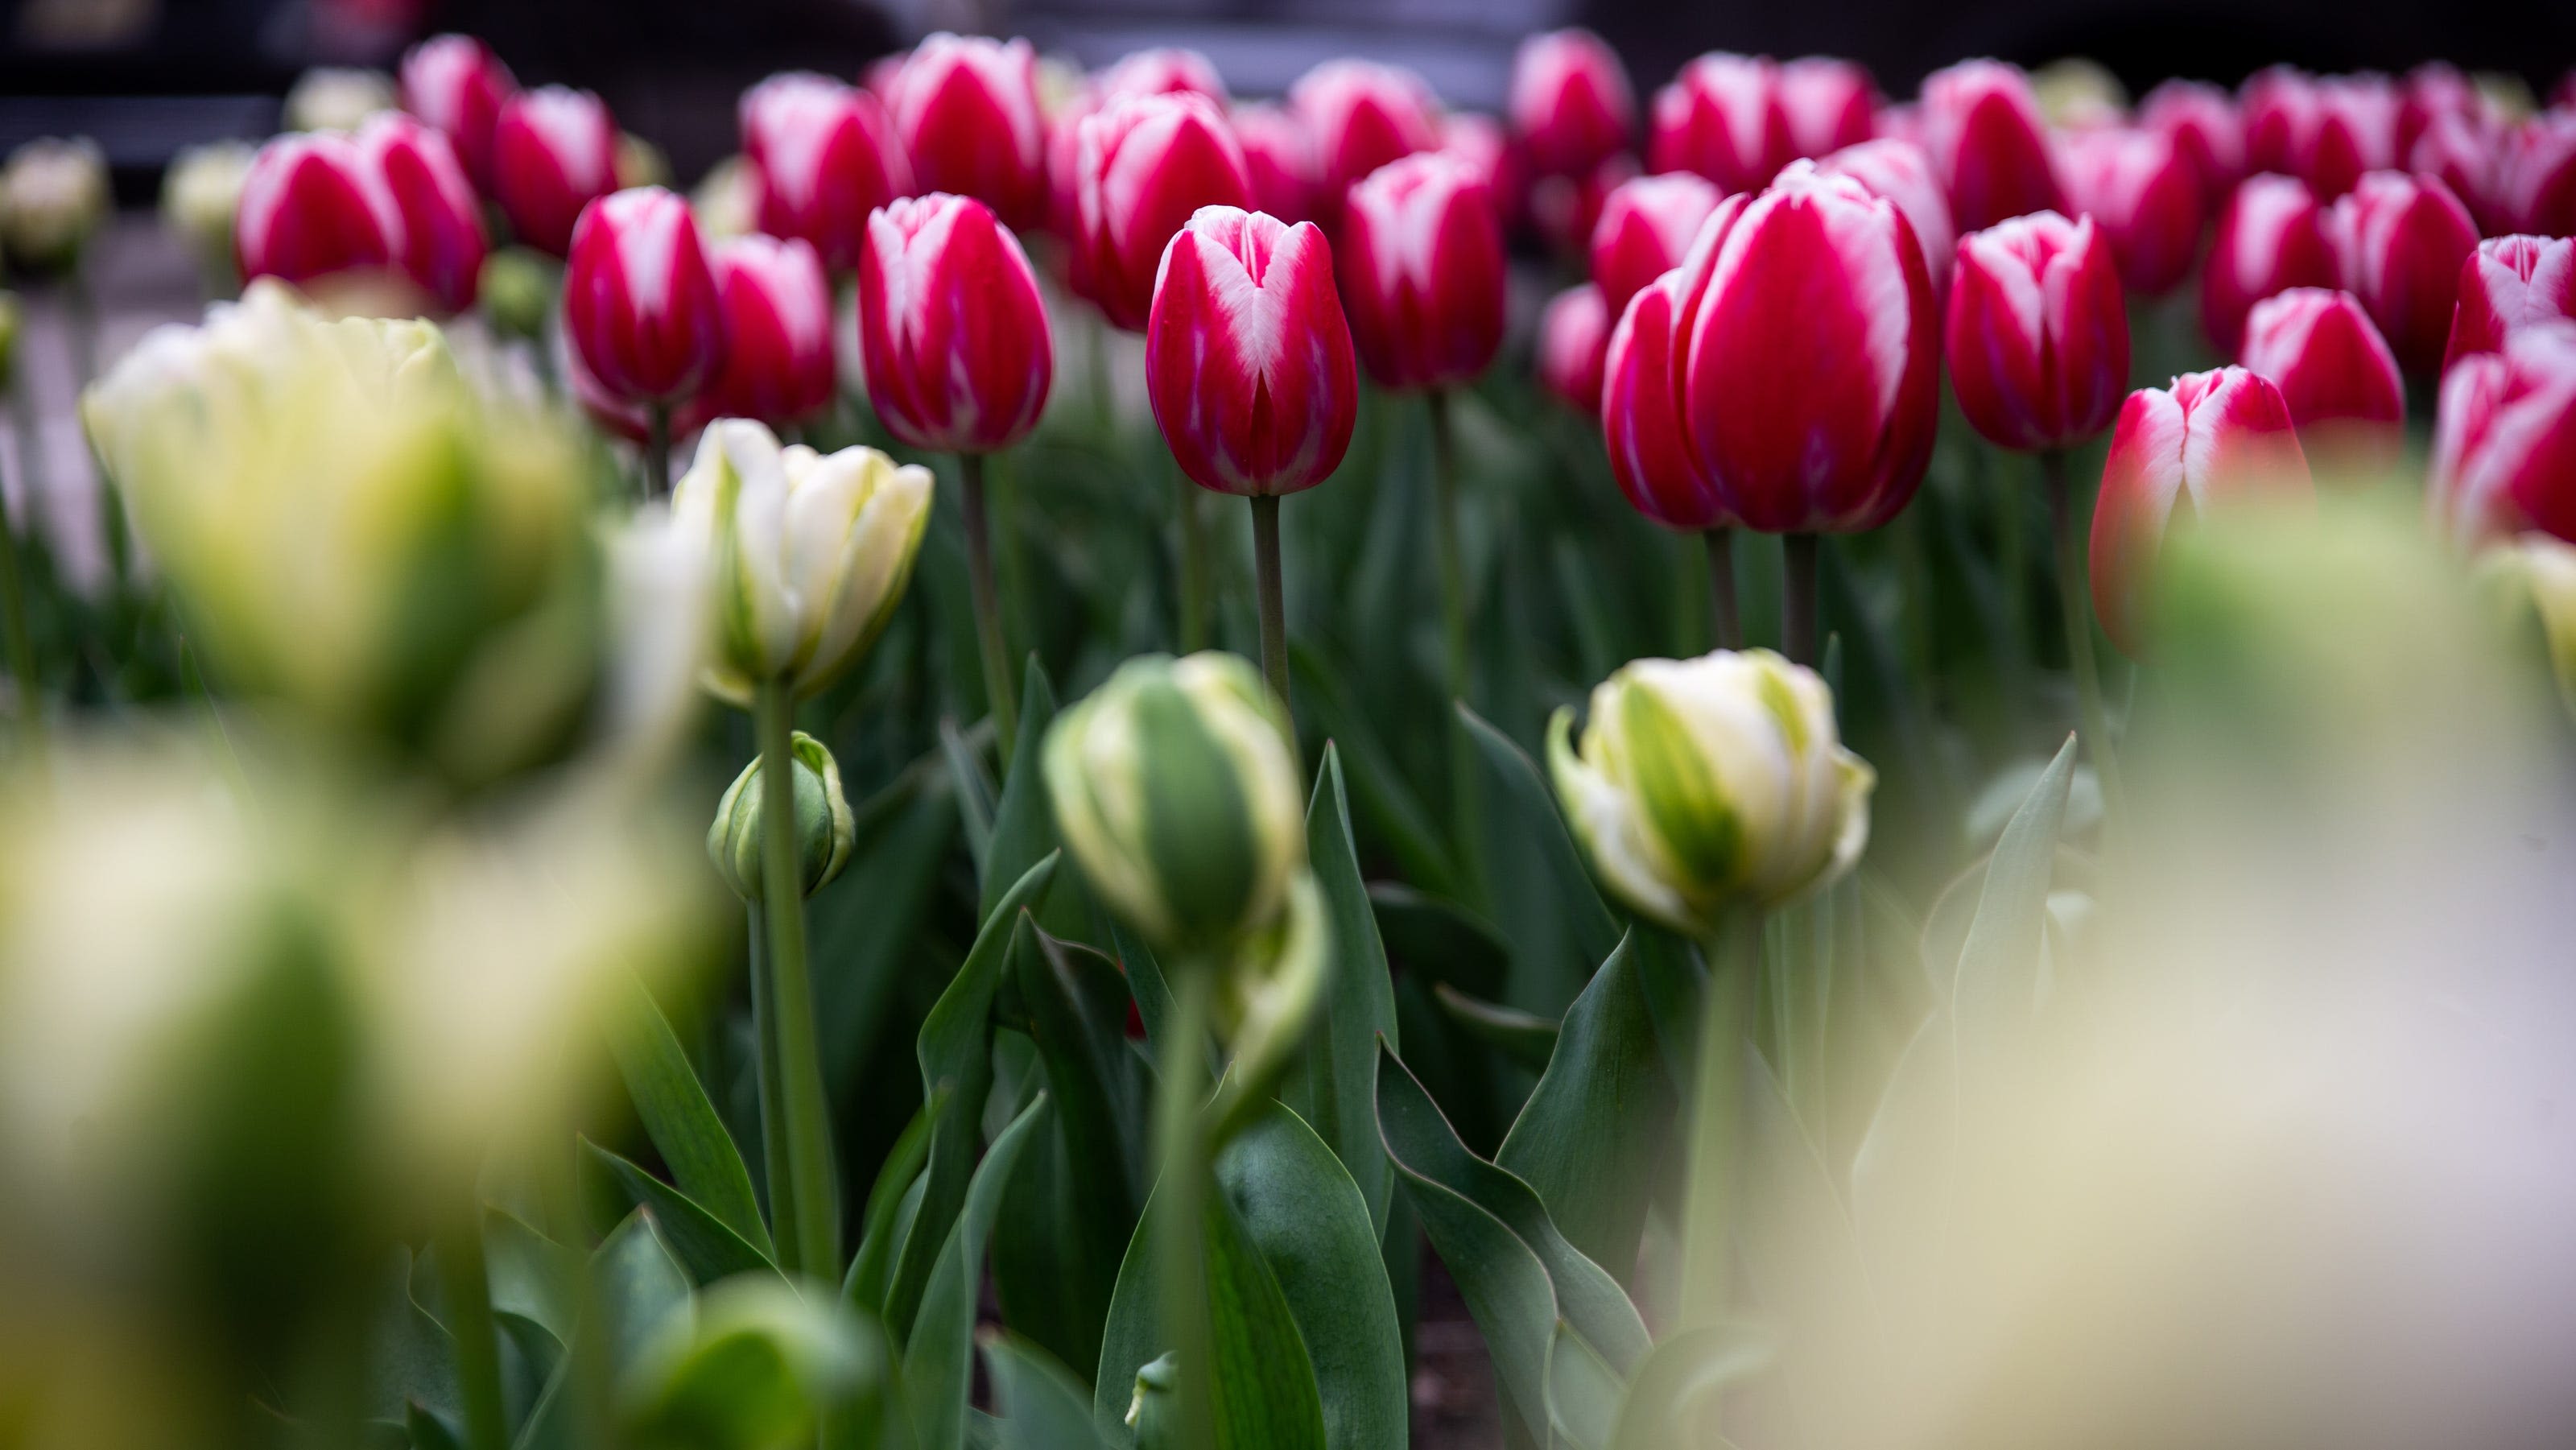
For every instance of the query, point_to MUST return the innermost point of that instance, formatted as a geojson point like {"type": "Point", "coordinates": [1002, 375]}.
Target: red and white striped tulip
{"type": "Point", "coordinates": [1650, 450]}
{"type": "Point", "coordinates": [2509, 284]}
{"type": "Point", "coordinates": [2539, 174]}
{"type": "Point", "coordinates": [1721, 118]}
{"type": "Point", "coordinates": [1570, 103]}
{"type": "Point", "coordinates": [1279, 157]}
{"type": "Point", "coordinates": [1646, 228]}
{"type": "Point", "coordinates": [2210, 442]}
{"type": "Point", "coordinates": [1478, 141]}
{"type": "Point", "coordinates": [1899, 171]}
{"type": "Point", "coordinates": [2279, 107]}
{"type": "Point", "coordinates": [1564, 210]}
{"type": "Point", "coordinates": [1247, 356]}
{"type": "Point", "coordinates": [778, 357]}
{"type": "Point", "coordinates": [1573, 336]}
{"type": "Point", "coordinates": [2335, 372]}
{"type": "Point", "coordinates": [1359, 115]}
{"type": "Point", "coordinates": [953, 332]}
{"type": "Point", "coordinates": [1982, 127]}
{"type": "Point", "coordinates": [965, 108]}
{"type": "Point", "coordinates": [2399, 241]}
{"type": "Point", "coordinates": [2355, 133]}
{"type": "Point", "coordinates": [2271, 237]}
{"type": "Point", "coordinates": [313, 207]}
{"type": "Point", "coordinates": [2466, 153]}
{"type": "Point", "coordinates": [442, 235]}
{"type": "Point", "coordinates": [554, 152]}
{"type": "Point", "coordinates": [2200, 120]}
{"type": "Point", "coordinates": [2504, 443]}
{"type": "Point", "coordinates": [1144, 167]}
{"type": "Point", "coordinates": [1829, 103]}
{"type": "Point", "coordinates": [2431, 92]}
{"type": "Point", "coordinates": [456, 83]}
{"type": "Point", "coordinates": [1421, 271]}
{"type": "Point", "coordinates": [823, 155]}
{"type": "Point", "coordinates": [2145, 196]}
{"type": "Point", "coordinates": [2038, 334]}
{"type": "Point", "coordinates": [1162, 70]}
{"type": "Point", "coordinates": [640, 302]}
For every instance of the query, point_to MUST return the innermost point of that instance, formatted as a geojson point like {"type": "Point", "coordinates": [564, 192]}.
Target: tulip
{"type": "Point", "coordinates": [2336, 373]}
{"type": "Point", "coordinates": [442, 220]}
{"type": "Point", "coordinates": [2432, 92]}
{"type": "Point", "coordinates": [1641, 421]}
{"type": "Point", "coordinates": [1573, 336]}
{"type": "Point", "coordinates": [2355, 132]}
{"type": "Point", "coordinates": [1570, 104]}
{"type": "Point", "coordinates": [1163, 70]}
{"type": "Point", "coordinates": [778, 359]}
{"type": "Point", "coordinates": [1279, 160]}
{"type": "Point", "coordinates": [822, 157]}
{"type": "Point", "coordinates": [966, 109]}
{"type": "Point", "coordinates": [2539, 175]}
{"type": "Point", "coordinates": [2200, 121]}
{"type": "Point", "coordinates": [2465, 153]}
{"type": "Point", "coordinates": [2509, 284]}
{"type": "Point", "coordinates": [825, 827]}
{"type": "Point", "coordinates": [1702, 787]}
{"type": "Point", "coordinates": [2504, 443]}
{"type": "Point", "coordinates": [2038, 334]}
{"type": "Point", "coordinates": [2146, 198]}
{"type": "Point", "coordinates": [1479, 142]}
{"type": "Point", "coordinates": [1421, 270]}
{"type": "Point", "coordinates": [336, 98]}
{"type": "Point", "coordinates": [201, 199]}
{"type": "Point", "coordinates": [53, 197]}
{"type": "Point", "coordinates": [953, 332]}
{"type": "Point", "coordinates": [640, 301]}
{"type": "Point", "coordinates": [2401, 241]}
{"type": "Point", "coordinates": [2207, 442]}
{"type": "Point", "coordinates": [1721, 118]}
{"type": "Point", "coordinates": [2279, 107]}
{"type": "Point", "coordinates": [1646, 228]}
{"type": "Point", "coordinates": [1565, 209]}
{"type": "Point", "coordinates": [312, 207]}
{"type": "Point", "coordinates": [1146, 166]}
{"type": "Point", "coordinates": [1829, 104]}
{"type": "Point", "coordinates": [1899, 172]}
{"type": "Point", "coordinates": [1982, 127]}
{"type": "Point", "coordinates": [2534, 576]}
{"type": "Point", "coordinates": [2271, 238]}
{"type": "Point", "coordinates": [1360, 115]}
{"type": "Point", "coordinates": [554, 151]}
{"type": "Point", "coordinates": [456, 83]}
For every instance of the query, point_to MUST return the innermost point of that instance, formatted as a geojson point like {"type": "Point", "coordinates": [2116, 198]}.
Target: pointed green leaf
{"type": "Point", "coordinates": [1677, 1373]}
{"type": "Point", "coordinates": [1998, 970]}
{"type": "Point", "coordinates": [1539, 893]}
{"type": "Point", "coordinates": [705, 1246]}
{"type": "Point", "coordinates": [1042, 1407]}
{"type": "Point", "coordinates": [1523, 1037]}
{"type": "Point", "coordinates": [1582, 1392]}
{"type": "Point", "coordinates": [1024, 824]}
{"type": "Point", "coordinates": [937, 1369]}
{"type": "Point", "coordinates": [1440, 939]}
{"type": "Point", "coordinates": [676, 1113]}
{"type": "Point", "coordinates": [865, 1285]}
{"type": "Point", "coordinates": [640, 1285]}
{"type": "Point", "coordinates": [974, 791]}
{"type": "Point", "coordinates": [1335, 1084]}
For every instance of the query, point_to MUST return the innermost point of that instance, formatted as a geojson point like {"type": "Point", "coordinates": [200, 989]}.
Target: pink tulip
{"type": "Point", "coordinates": [778, 361]}
{"type": "Point", "coordinates": [1570, 104]}
{"type": "Point", "coordinates": [2504, 446]}
{"type": "Point", "coordinates": [2432, 92]}
{"type": "Point", "coordinates": [2212, 440]}
{"type": "Point", "coordinates": [1645, 230]}
{"type": "Point", "coordinates": [1144, 166]}
{"type": "Point", "coordinates": [1279, 157]}
{"type": "Point", "coordinates": [1421, 270]}
{"type": "Point", "coordinates": [1564, 210]}
{"type": "Point", "coordinates": [1899, 172]}
{"type": "Point", "coordinates": [2038, 335]}
{"type": "Point", "coordinates": [1982, 126]}
{"type": "Point", "coordinates": [1163, 70]}
{"type": "Point", "coordinates": [1721, 118]}
{"type": "Point", "coordinates": [1247, 356]}
{"type": "Point", "coordinates": [2539, 175]}
{"type": "Point", "coordinates": [2355, 132]}
{"type": "Point", "coordinates": [1641, 419]}
{"type": "Point", "coordinates": [1829, 103]}
{"type": "Point", "coordinates": [456, 83]}
{"type": "Point", "coordinates": [1360, 115]}
{"type": "Point", "coordinates": [554, 152]}
{"type": "Point", "coordinates": [966, 110]}
{"type": "Point", "coordinates": [1573, 334]}
{"type": "Point", "coordinates": [2400, 241]}
{"type": "Point", "coordinates": [2145, 196]}
{"type": "Point", "coordinates": [2335, 372]}
{"type": "Point", "coordinates": [2509, 284]}
{"type": "Point", "coordinates": [2466, 153]}
{"type": "Point", "coordinates": [1478, 141]}
{"type": "Point", "coordinates": [823, 156]}
{"type": "Point", "coordinates": [442, 236]}
{"type": "Point", "coordinates": [640, 302]}
{"type": "Point", "coordinates": [952, 330]}
{"type": "Point", "coordinates": [2200, 120]}
{"type": "Point", "coordinates": [313, 206]}
{"type": "Point", "coordinates": [2271, 238]}
{"type": "Point", "coordinates": [2279, 106]}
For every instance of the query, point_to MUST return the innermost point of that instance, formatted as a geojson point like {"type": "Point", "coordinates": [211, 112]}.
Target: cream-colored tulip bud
{"type": "Point", "coordinates": [727, 199]}
{"type": "Point", "coordinates": [337, 98]}
{"type": "Point", "coordinates": [201, 196]}
{"type": "Point", "coordinates": [809, 551]}
{"type": "Point", "coordinates": [2538, 572]}
{"type": "Point", "coordinates": [825, 829]}
{"type": "Point", "coordinates": [1175, 788]}
{"type": "Point", "coordinates": [53, 196]}
{"type": "Point", "coordinates": [1710, 783]}
{"type": "Point", "coordinates": [640, 162]}
{"type": "Point", "coordinates": [9, 325]}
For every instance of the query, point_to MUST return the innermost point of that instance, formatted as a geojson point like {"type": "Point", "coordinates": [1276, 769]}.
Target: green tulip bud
{"type": "Point", "coordinates": [1150, 1411]}
{"type": "Point", "coordinates": [53, 195]}
{"type": "Point", "coordinates": [825, 829]}
{"type": "Point", "coordinates": [1176, 791]}
{"type": "Point", "coordinates": [516, 289]}
{"type": "Point", "coordinates": [337, 98]}
{"type": "Point", "coordinates": [2534, 576]}
{"type": "Point", "coordinates": [1703, 784]}
{"type": "Point", "coordinates": [1268, 997]}
{"type": "Point", "coordinates": [201, 197]}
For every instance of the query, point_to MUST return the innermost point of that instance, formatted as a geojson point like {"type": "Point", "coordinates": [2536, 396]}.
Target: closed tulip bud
{"type": "Point", "coordinates": [2038, 337]}
{"type": "Point", "coordinates": [1421, 269]}
{"type": "Point", "coordinates": [456, 83]}
{"type": "Point", "coordinates": [823, 156]}
{"type": "Point", "coordinates": [2539, 175]}
{"type": "Point", "coordinates": [640, 163]}
{"type": "Point", "coordinates": [2430, 92]}
{"type": "Point", "coordinates": [2355, 133]}
{"type": "Point", "coordinates": [953, 333]}
{"type": "Point", "coordinates": [1359, 115]}
{"type": "Point", "coordinates": [2335, 372]}
{"type": "Point", "coordinates": [2279, 107]}
{"type": "Point", "coordinates": [1721, 118]}
{"type": "Point", "coordinates": [2509, 284]}
{"type": "Point", "coordinates": [1982, 126]}
{"type": "Point", "coordinates": [1479, 142]}
{"type": "Point", "coordinates": [201, 197]}
{"type": "Point", "coordinates": [726, 201]}
{"type": "Point", "coordinates": [2209, 442]}
{"type": "Point", "coordinates": [1646, 228]}
{"type": "Point", "coordinates": [778, 362]}
{"type": "Point", "coordinates": [442, 220]}
{"type": "Point", "coordinates": [825, 829]}
{"type": "Point", "coordinates": [2201, 123]}
{"type": "Point", "coordinates": [2401, 240]}
{"type": "Point", "coordinates": [554, 151]}
{"type": "Point", "coordinates": [1897, 171]}
{"type": "Point", "coordinates": [1829, 103]}
{"type": "Point", "coordinates": [1279, 160]}
{"type": "Point", "coordinates": [966, 110]}
{"type": "Point", "coordinates": [313, 208]}
{"type": "Point", "coordinates": [2504, 444]}
{"type": "Point", "coordinates": [810, 553]}
{"type": "Point", "coordinates": [336, 98]}
{"type": "Point", "coordinates": [1570, 103]}
{"type": "Point", "coordinates": [1641, 418]}
{"type": "Point", "coordinates": [2271, 237]}
{"type": "Point", "coordinates": [2534, 576]}
{"type": "Point", "coordinates": [1175, 790]}
{"type": "Point", "coordinates": [1710, 785]}
{"type": "Point", "coordinates": [2145, 197]}
{"type": "Point", "coordinates": [1163, 70]}
{"type": "Point", "coordinates": [2078, 94]}
{"type": "Point", "coordinates": [2465, 153]}
{"type": "Point", "coordinates": [53, 196]}
{"type": "Point", "coordinates": [1145, 165]}
{"type": "Point", "coordinates": [640, 303]}
{"type": "Point", "coordinates": [1248, 359]}
{"type": "Point", "coordinates": [1573, 337]}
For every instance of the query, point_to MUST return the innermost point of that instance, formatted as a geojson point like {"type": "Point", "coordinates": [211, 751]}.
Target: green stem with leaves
{"type": "Point", "coordinates": [1727, 1010]}
{"type": "Point", "coordinates": [988, 606]}
{"type": "Point", "coordinates": [2074, 590]}
{"type": "Point", "coordinates": [468, 1287]}
{"type": "Point", "coordinates": [1270, 593]}
{"type": "Point", "coordinates": [1180, 1198]}
{"type": "Point", "coordinates": [799, 1055]}
{"type": "Point", "coordinates": [1464, 815]}
{"type": "Point", "coordinates": [779, 1168]}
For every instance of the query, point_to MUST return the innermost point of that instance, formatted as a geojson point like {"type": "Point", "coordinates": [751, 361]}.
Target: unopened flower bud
{"type": "Point", "coordinates": [516, 292]}
{"type": "Point", "coordinates": [2537, 573]}
{"type": "Point", "coordinates": [53, 195]}
{"type": "Point", "coordinates": [825, 829]}
{"type": "Point", "coordinates": [201, 194]}
{"type": "Point", "coordinates": [337, 98]}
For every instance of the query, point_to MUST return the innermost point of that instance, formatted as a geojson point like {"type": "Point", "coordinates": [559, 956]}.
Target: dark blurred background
{"type": "Point", "coordinates": [145, 76]}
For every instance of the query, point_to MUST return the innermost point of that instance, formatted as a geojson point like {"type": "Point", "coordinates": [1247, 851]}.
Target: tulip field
{"type": "Point", "coordinates": [1066, 761]}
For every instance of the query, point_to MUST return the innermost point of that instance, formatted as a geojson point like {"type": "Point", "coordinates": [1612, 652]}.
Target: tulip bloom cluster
{"type": "Point", "coordinates": [391, 203]}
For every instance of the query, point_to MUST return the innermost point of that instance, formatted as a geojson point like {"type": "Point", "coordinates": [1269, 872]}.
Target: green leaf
{"type": "Point", "coordinates": [704, 1245]}
{"type": "Point", "coordinates": [1042, 1407]}
{"type": "Point", "coordinates": [1389, 804]}
{"type": "Point", "coordinates": [677, 1116]}
{"type": "Point", "coordinates": [411, 1358]}
{"type": "Point", "coordinates": [1582, 1392]}
{"type": "Point", "coordinates": [867, 922]}
{"type": "Point", "coordinates": [1992, 994]}
{"type": "Point", "coordinates": [938, 1372]}
{"type": "Point", "coordinates": [1596, 1131]}
{"type": "Point", "coordinates": [757, 1366]}
{"type": "Point", "coordinates": [1024, 824]}
{"type": "Point", "coordinates": [1794, 1235]}
{"type": "Point", "coordinates": [865, 1286]}
{"type": "Point", "coordinates": [1524, 1037]}
{"type": "Point", "coordinates": [428, 1431]}
{"type": "Point", "coordinates": [1902, 1173]}
{"type": "Point", "coordinates": [1145, 984]}
{"type": "Point", "coordinates": [532, 1275]}
{"type": "Point", "coordinates": [640, 1284]}
{"type": "Point", "coordinates": [1675, 1376]}
{"type": "Point", "coordinates": [1336, 1085]}
{"type": "Point", "coordinates": [1440, 939]}
{"type": "Point", "coordinates": [1538, 891]}
{"type": "Point", "coordinates": [974, 791]}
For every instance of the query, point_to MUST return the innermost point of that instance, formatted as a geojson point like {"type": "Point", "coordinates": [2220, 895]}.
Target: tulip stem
{"type": "Point", "coordinates": [22, 649]}
{"type": "Point", "coordinates": [775, 1162]}
{"type": "Point", "coordinates": [1798, 597]}
{"type": "Point", "coordinates": [657, 451]}
{"type": "Point", "coordinates": [1194, 565]}
{"type": "Point", "coordinates": [799, 1056]}
{"type": "Point", "coordinates": [2012, 562]}
{"type": "Point", "coordinates": [1723, 612]}
{"type": "Point", "coordinates": [1453, 564]}
{"type": "Point", "coordinates": [1274, 607]}
{"type": "Point", "coordinates": [1727, 1010]}
{"type": "Point", "coordinates": [1180, 1198]}
{"type": "Point", "coordinates": [2073, 591]}
{"type": "Point", "coordinates": [468, 1287]}
{"type": "Point", "coordinates": [988, 607]}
